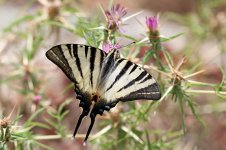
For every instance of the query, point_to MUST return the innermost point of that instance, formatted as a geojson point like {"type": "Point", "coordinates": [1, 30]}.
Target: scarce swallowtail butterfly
{"type": "Point", "coordinates": [102, 79]}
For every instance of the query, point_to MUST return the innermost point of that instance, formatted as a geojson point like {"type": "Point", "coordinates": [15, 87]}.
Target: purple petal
{"type": "Point", "coordinates": [37, 99]}
{"type": "Point", "coordinates": [114, 16]}
{"type": "Point", "coordinates": [152, 23]}
{"type": "Point", "coordinates": [107, 47]}
{"type": "Point", "coordinates": [116, 46]}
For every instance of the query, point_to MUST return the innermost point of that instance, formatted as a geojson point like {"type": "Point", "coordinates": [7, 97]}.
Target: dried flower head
{"type": "Point", "coordinates": [4, 122]}
{"type": "Point", "coordinates": [51, 8]}
{"type": "Point", "coordinates": [114, 16]}
{"type": "Point", "coordinates": [152, 24]}
{"type": "Point", "coordinates": [107, 47]}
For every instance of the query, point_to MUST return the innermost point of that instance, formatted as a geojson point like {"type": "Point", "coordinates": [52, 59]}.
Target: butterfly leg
{"type": "Point", "coordinates": [98, 108]}
{"type": "Point", "coordinates": [85, 104]}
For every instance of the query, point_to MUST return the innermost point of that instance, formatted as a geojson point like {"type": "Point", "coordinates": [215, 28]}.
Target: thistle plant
{"type": "Point", "coordinates": [42, 115]}
{"type": "Point", "coordinates": [114, 17]}
{"type": "Point", "coordinates": [113, 22]}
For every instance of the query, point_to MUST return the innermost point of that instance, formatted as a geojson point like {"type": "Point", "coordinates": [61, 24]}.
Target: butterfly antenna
{"type": "Point", "coordinates": [127, 45]}
{"type": "Point", "coordinates": [84, 113]}
{"type": "Point", "coordinates": [92, 116]}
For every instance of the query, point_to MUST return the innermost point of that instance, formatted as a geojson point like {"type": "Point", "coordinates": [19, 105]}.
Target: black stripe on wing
{"type": "Point", "coordinates": [55, 54]}
{"type": "Point", "coordinates": [134, 68]}
{"type": "Point", "coordinates": [139, 84]}
{"type": "Point", "coordinates": [107, 64]}
{"type": "Point", "coordinates": [92, 63]}
{"type": "Point", "coordinates": [77, 60]}
{"type": "Point", "coordinates": [69, 48]}
{"type": "Point", "coordinates": [141, 76]}
{"type": "Point", "coordinates": [121, 73]}
{"type": "Point", "coordinates": [86, 50]}
{"type": "Point", "coordinates": [146, 78]}
{"type": "Point", "coordinates": [150, 92]}
{"type": "Point", "coordinates": [118, 62]}
{"type": "Point", "coordinates": [102, 56]}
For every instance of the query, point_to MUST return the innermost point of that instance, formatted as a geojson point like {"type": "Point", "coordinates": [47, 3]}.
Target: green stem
{"type": "Point", "coordinates": [201, 83]}
{"type": "Point", "coordinates": [205, 92]}
{"type": "Point", "coordinates": [182, 113]}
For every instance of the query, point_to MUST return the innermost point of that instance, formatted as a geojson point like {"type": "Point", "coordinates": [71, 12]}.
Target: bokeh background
{"type": "Point", "coordinates": [32, 89]}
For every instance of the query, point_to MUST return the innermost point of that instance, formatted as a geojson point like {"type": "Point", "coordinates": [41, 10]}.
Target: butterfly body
{"type": "Point", "coordinates": [102, 79]}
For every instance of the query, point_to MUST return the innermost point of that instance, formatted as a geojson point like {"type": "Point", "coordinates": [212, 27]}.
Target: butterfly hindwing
{"type": "Point", "coordinates": [127, 81]}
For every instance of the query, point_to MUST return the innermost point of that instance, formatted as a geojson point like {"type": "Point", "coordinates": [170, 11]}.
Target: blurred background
{"type": "Point", "coordinates": [37, 101]}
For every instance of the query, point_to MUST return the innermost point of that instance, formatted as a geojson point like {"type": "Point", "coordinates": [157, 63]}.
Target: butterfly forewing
{"type": "Point", "coordinates": [82, 64]}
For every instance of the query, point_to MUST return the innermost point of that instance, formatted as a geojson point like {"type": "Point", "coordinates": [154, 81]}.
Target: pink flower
{"type": "Point", "coordinates": [107, 47]}
{"type": "Point", "coordinates": [37, 99]}
{"type": "Point", "coordinates": [152, 23]}
{"type": "Point", "coordinates": [114, 16]}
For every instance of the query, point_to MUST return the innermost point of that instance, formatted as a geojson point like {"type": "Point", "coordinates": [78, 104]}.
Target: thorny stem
{"type": "Point", "coordinates": [78, 136]}
{"type": "Point", "coordinates": [54, 137]}
{"type": "Point", "coordinates": [205, 92]}
{"type": "Point", "coordinates": [194, 74]}
{"type": "Point", "coordinates": [200, 83]}
{"type": "Point", "coordinates": [188, 91]}
{"type": "Point", "coordinates": [156, 69]}
{"type": "Point", "coordinates": [162, 98]}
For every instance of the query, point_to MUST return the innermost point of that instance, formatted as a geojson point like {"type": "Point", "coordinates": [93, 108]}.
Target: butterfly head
{"type": "Point", "coordinates": [114, 54]}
